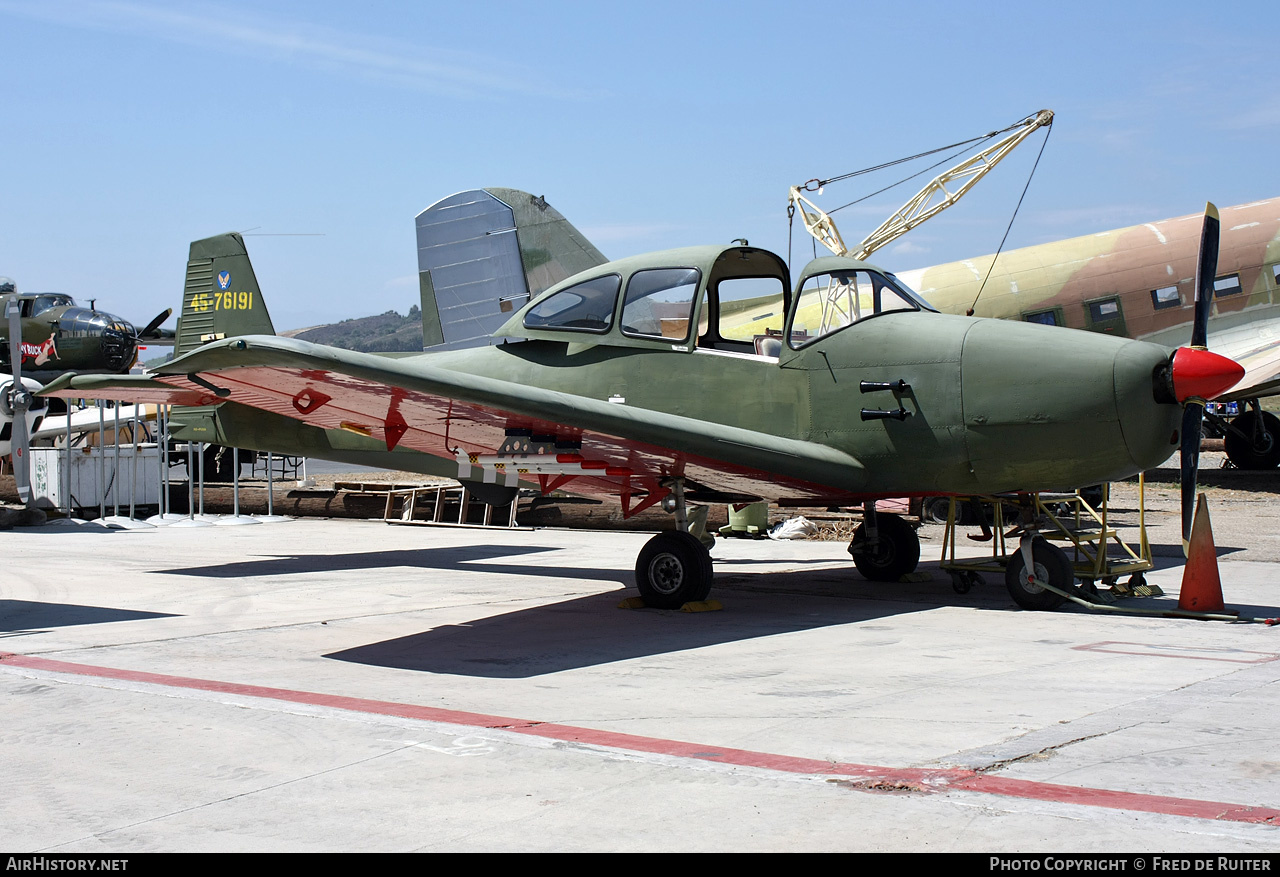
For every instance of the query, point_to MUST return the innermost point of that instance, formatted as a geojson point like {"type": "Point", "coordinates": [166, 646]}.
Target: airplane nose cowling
{"type": "Point", "coordinates": [1199, 374]}
{"type": "Point", "coordinates": [1047, 408]}
{"type": "Point", "coordinates": [1149, 416]}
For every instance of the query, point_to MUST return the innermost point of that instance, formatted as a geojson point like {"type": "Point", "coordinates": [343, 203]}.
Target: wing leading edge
{"type": "Point", "coordinates": [1256, 346]}
{"type": "Point", "coordinates": [497, 430]}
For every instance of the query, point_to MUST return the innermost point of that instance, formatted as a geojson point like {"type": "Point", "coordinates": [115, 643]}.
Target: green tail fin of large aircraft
{"type": "Point", "coordinates": [221, 298]}
{"type": "Point", "coordinates": [483, 253]}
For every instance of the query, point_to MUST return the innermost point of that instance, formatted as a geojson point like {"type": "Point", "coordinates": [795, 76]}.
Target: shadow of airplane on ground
{"type": "Point", "coordinates": [467, 558]}
{"type": "Point", "coordinates": [589, 630]}
{"type": "Point", "coordinates": [24, 616]}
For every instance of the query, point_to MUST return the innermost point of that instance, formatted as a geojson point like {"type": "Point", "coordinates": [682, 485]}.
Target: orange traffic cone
{"type": "Point", "coordinates": [1201, 584]}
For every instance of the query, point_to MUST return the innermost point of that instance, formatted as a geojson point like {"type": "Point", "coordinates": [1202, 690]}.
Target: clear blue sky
{"type": "Point", "coordinates": [131, 128]}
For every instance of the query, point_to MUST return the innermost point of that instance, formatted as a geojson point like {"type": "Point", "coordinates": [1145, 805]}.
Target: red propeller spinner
{"type": "Point", "coordinates": [1199, 374]}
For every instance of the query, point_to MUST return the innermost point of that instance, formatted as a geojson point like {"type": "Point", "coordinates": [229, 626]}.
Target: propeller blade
{"type": "Point", "coordinates": [20, 441]}
{"type": "Point", "coordinates": [155, 323]}
{"type": "Point", "coordinates": [1192, 415]}
{"type": "Point", "coordinates": [1198, 374]}
{"type": "Point", "coordinates": [13, 313]}
{"type": "Point", "coordinates": [1206, 271]}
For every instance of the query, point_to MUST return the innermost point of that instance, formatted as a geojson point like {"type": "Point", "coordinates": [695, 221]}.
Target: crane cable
{"type": "Point", "coordinates": [991, 267]}
{"type": "Point", "coordinates": [815, 184]}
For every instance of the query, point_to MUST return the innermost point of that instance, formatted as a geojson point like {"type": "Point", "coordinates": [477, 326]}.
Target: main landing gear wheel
{"type": "Point", "coordinates": [896, 552]}
{"type": "Point", "coordinates": [673, 568]}
{"type": "Point", "coordinates": [1250, 451]}
{"type": "Point", "coordinates": [934, 510]}
{"type": "Point", "coordinates": [1051, 565]}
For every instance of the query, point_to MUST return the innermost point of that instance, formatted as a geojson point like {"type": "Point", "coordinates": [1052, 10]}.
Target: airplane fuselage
{"type": "Point", "coordinates": [1029, 405]}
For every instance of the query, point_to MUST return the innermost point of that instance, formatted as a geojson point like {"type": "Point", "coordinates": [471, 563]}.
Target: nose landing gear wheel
{"type": "Point", "coordinates": [1051, 565]}
{"type": "Point", "coordinates": [672, 569]}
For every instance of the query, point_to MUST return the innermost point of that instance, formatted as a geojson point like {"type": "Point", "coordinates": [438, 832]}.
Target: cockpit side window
{"type": "Point", "coordinates": [829, 302]}
{"type": "Point", "coordinates": [745, 308]}
{"type": "Point", "coordinates": [751, 307]}
{"type": "Point", "coordinates": [584, 307]}
{"type": "Point", "coordinates": [659, 303]}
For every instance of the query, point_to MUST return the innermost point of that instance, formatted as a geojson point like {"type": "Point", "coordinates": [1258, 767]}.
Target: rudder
{"type": "Point", "coordinates": [221, 298]}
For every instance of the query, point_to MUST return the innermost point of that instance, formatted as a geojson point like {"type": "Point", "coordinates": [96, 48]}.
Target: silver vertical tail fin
{"type": "Point", "coordinates": [482, 254]}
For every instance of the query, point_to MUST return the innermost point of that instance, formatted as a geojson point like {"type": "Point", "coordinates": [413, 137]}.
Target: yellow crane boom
{"type": "Point", "coordinates": [938, 194]}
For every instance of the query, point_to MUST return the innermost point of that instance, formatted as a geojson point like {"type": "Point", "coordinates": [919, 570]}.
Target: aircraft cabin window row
{"type": "Point", "coordinates": [742, 309]}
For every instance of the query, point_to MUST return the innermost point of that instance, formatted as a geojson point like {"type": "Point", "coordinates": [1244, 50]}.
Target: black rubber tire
{"type": "Point", "coordinates": [672, 569]}
{"type": "Point", "coordinates": [1240, 448]}
{"type": "Point", "coordinates": [1050, 562]}
{"type": "Point", "coordinates": [896, 553]}
{"type": "Point", "coordinates": [1093, 495]}
{"type": "Point", "coordinates": [934, 509]}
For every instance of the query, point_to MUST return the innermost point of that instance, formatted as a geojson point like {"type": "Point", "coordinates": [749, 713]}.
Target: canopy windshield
{"type": "Point", "coordinates": [831, 300]}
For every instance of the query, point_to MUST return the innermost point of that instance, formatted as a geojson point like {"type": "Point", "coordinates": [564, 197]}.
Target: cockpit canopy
{"type": "Point", "coordinates": [45, 301]}
{"type": "Point", "coordinates": [836, 292]}
{"type": "Point", "coordinates": [734, 299]}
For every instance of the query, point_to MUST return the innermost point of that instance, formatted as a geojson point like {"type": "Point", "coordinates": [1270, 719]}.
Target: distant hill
{"type": "Point", "coordinates": [384, 333]}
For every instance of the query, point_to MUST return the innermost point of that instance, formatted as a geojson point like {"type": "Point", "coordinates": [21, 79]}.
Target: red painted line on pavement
{"type": "Point", "coordinates": [868, 775]}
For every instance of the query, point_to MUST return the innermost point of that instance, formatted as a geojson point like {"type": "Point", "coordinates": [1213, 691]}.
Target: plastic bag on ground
{"type": "Point", "coordinates": [794, 528]}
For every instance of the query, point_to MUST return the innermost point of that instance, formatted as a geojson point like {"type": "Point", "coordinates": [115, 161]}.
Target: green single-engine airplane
{"type": "Point", "coordinates": [700, 375]}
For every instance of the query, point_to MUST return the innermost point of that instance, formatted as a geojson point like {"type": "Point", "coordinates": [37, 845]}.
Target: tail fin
{"type": "Point", "coordinates": [221, 298]}
{"type": "Point", "coordinates": [485, 252]}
